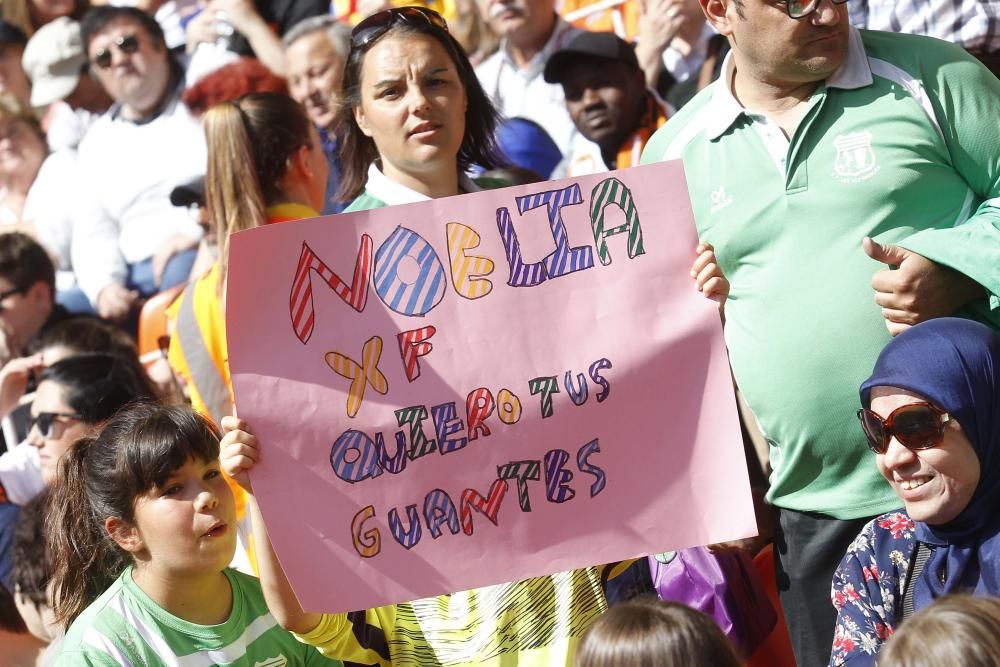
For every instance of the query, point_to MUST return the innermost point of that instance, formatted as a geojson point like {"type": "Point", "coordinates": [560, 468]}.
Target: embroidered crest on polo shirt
{"type": "Point", "coordinates": [277, 661]}
{"type": "Point", "coordinates": [856, 160]}
{"type": "Point", "coordinates": [720, 199]}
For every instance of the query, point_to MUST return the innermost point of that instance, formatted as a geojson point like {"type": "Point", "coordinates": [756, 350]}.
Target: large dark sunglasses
{"type": "Point", "coordinates": [46, 421]}
{"type": "Point", "coordinates": [797, 9]}
{"type": "Point", "coordinates": [916, 426]}
{"type": "Point", "coordinates": [379, 23]}
{"type": "Point", "coordinates": [127, 44]}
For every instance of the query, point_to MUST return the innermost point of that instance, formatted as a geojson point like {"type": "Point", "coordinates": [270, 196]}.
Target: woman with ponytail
{"type": "Point", "coordinates": [265, 165]}
{"type": "Point", "coordinates": [142, 529]}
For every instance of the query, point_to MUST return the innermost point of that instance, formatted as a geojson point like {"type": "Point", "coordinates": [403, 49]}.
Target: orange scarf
{"type": "Point", "coordinates": [653, 118]}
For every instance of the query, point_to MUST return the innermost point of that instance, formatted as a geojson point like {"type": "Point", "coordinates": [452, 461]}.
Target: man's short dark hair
{"type": "Point", "coordinates": [11, 35]}
{"type": "Point", "coordinates": [97, 18]}
{"type": "Point", "coordinates": [24, 262]}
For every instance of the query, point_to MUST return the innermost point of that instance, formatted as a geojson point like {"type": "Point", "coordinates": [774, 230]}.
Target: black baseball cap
{"type": "Point", "coordinates": [190, 193]}
{"type": "Point", "coordinates": [604, 45]}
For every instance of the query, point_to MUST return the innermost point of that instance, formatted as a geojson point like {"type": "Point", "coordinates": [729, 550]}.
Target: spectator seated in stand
{"type": "Point", "coordinates": [63, 84]}
{"type": "Point", "coordinates": [130, 241]}
{"type": "Point", "coordinates": [932, 416]}
{"type": "Point", "coordinates": [13, 80]}
{"type": "Point", "coordinates": [40, 192]}
{"type": "Point", "coordinates": [316, 50]}
{"type": "Point", "coordinates": [607, 98]}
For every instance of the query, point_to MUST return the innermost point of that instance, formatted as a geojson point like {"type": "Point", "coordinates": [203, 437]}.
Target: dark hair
{"type": "Point", "coordinates": [232, 81]}
{"type": "Point", "coordinates": [101, 477]}
{"type": "Point", "coordinates": [358, 151]}
{"type": "Point", "coordinates": [647, 632]}
{"type": "Point", "coordinates": [97, 18]}
{"type": "Point", "coordinates": [24, 262]}
{"type": "Point", "coordinates": [32, 570]}
{"type": "Point", "coordinates": [10, 34]}
{"type": "Point", "coordinates": [249, 143]}
{"type": "Point", "coordinates": [96, 386]}
{"type": "Point", "coordinates": [84, 333]}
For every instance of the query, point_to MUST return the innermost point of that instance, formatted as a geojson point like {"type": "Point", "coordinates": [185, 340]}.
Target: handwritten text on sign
{"type": "Point", "coordinates": [544, 342]}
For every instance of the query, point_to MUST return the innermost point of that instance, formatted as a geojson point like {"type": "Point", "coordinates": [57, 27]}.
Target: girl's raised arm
{"type": "Point", "coordinates": [239, 452]}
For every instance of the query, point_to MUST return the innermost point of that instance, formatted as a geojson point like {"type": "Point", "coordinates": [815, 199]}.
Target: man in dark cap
{"type": "Point", "coordinates": [607, 98]}
{"type": "Point", "coordinates": [13, 80]}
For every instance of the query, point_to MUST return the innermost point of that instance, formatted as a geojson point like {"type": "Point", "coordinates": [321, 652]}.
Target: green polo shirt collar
{"type": "Point", "coordinates": [723, 110]}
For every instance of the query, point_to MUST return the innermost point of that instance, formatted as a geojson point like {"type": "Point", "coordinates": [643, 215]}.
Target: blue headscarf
{"type": "Point", "coordinates": [955, 364]}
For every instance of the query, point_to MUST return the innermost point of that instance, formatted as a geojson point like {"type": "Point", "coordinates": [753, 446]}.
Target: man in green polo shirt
{"type": "Point", "coordinates": [850, 184]}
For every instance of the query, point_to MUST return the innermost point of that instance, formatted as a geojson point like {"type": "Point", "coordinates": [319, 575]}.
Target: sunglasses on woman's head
{"type": "Point", "coordinates": [915, 426]}
{"type": "Point", "coordinates": [379, 23]}
{"type": "Point", "coordinates": [127, 44]}
{"type": "Point", "coordinates": [46, 421]}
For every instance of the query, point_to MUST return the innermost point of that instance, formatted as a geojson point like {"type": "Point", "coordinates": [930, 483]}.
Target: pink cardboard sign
{"type": "Point", "coordinates": [485, 388]}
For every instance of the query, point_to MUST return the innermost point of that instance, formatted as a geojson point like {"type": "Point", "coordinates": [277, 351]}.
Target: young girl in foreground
{"type": "Point", "coordinates": [142, 529]}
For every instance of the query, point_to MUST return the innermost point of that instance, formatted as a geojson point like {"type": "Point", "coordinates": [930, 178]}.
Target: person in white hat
{"type": "Point", "coordinates": [56, 62]}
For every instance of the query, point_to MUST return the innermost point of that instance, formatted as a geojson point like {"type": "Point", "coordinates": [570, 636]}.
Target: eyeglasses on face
{"type": "Point", "coordinates": [46, 422]}
{"type": "Point", "coordinates": [916, 426]}
{"type": "Point", "coordinates": [379, 23]}
{"type": "Point", "coordinates": [127, 44]}
{"type": "Point", "coordinates": [798, 9]}
{"type": "Point", "coordinates": [11, 292]}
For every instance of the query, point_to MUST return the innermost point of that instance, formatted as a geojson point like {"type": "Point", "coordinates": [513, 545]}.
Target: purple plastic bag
{"type": "Point", "coordinates": [723, 586]}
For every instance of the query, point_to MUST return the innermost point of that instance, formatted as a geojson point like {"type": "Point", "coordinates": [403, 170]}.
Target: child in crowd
{"type": "Point", "coordinates": [956, 630]}
{"type": "Point", "coordinates": [141, 532]}
{"type": "Point", "coordinates": [647, 632]}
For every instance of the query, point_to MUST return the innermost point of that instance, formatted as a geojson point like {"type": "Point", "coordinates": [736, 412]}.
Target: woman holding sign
{"type": "Point", "coordinates": [415, 119]}
{"type": "Point", "coordinates": [415, 116]}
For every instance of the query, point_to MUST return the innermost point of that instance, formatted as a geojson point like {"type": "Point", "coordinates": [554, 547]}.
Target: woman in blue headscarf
{"type": "Point", "coordinates": [932, 417]}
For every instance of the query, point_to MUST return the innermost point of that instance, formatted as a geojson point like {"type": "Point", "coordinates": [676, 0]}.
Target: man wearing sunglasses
{"type": "Point", "coordinates": [131, 242]}
{"type": "Point", "coordinates": [827, 163]}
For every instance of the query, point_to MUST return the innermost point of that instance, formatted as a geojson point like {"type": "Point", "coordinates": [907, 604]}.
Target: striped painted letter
{"type": "Point", "coordinates": [438, 509]}
{"type": "Point", "coordinates": [407, 537]}
{"type": "Point", "coordinates": [563, 259]}
{"type": "Point", "coordinates": [467, 271]}
{"type": "Point", "coordinates": [361, 375]}
{"type": "Point", "coordinates": [521, 274]}
{"type": "Point", "coordinates": [522, 471]}
{"type": "Point", "coordinates": [488, 507]}
{"type": "Point", "coordinates": [366, 542]}
{"type": "Point", "coordinates": [409, 277]}
{"type": "Point", "coordinates": [412, 344]}
{"type": "Point", "coordinates": [479, 405]}
{"type": "Point", "coordinates": [557, 478]}
{"type": "Point", "coordinates": [612, 191]}
{"type": "Point", "coordinates": [300, 303]}
{"type": "Point", "coordinates": [354, 457]}
{"type": "Point", "coordinates": [546, 386]}
{"type": "Point", "coordinates": [446, 424]}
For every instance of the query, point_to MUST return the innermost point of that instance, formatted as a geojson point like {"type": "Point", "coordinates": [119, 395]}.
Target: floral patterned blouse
{"type": "Point", "coordinates": [868, 588]}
